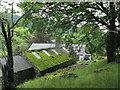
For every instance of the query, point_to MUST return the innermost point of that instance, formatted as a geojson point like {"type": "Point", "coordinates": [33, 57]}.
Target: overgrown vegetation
{"type": "Point", "coordinates": [69, 23]}
{"type": "Point", "coordinates": [106, 77]}
{"type": "Point", "coordinates": [47, 61]}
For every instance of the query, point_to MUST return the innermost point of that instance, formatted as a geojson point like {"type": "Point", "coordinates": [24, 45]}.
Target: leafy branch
{"type": "Point", "coordinates": [21, 17]}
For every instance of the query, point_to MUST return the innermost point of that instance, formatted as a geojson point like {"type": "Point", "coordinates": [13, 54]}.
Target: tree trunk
{"type": "Point", "coordinates": [111, 47]}
{"type": "Point", "coordinates": [8, 72]}
{"type": "Point", "coordinates": [10, 76]}
{"type": "Point", "coordinates": [111, 42]}
{"type": "Point", "coordinates": [8, 68]}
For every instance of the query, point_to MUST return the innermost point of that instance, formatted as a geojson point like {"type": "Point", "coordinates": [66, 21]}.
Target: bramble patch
{"type": "Point", "coordinates": [64, 74]}
{"type": "Point", "coordinates": [102, 69]}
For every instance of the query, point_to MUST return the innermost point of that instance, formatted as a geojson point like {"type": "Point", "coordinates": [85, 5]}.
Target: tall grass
{"type": "Point", "coordinates": [87, 78]}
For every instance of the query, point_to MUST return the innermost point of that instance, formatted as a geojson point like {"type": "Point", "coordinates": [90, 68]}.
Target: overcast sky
{"type": "Point", "coordinates": [8, 6]}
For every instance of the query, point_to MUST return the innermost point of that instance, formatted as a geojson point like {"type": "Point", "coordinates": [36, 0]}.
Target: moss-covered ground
{"type": "Point", "coordinates": [47, 61]}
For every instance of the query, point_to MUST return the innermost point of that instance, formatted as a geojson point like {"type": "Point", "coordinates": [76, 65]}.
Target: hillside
{"type": "Point", "coordinates": [15, 18]}
{"type": "Point", "coordinates": [95, 75]}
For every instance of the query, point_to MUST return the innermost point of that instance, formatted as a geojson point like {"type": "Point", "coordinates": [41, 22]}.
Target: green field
{"type": "Point", "coordinates": [95, 75]}
{"type": "Point", "coordinates": [47, 61]}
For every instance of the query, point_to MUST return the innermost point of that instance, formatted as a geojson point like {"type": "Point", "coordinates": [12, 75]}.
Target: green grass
{"type": "Point", "coordinates": [106, 77]}
{"type": "Point", "coordinates": [47, 61]}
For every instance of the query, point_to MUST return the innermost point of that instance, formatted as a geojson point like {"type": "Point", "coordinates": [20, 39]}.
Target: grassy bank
{"type": "Point", "coordinates": [95, 75]}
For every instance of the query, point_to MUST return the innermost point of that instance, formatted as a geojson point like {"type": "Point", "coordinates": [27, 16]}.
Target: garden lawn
{"type": "Point", "coordinates": [95, 75]}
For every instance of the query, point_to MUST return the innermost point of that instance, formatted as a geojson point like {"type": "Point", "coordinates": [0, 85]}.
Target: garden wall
{"type": "Point", "coordinates": [24, 75]}
{"type": "Point", "coordinates": [54, 68]}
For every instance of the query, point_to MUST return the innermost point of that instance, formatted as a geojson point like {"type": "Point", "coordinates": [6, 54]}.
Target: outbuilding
{"type": "Point", "coordinates": [22, 68]}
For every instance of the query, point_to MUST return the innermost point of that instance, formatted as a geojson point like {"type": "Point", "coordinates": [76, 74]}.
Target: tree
{"type": "Point", "coordinates": [8, 71]}
{"type": "Point", "coordinates": [67, 15]}
{"type": "Point", "coordinates": [38, 22]}
{"type": "Point", "coordinates": [104, 13]}
{"type": "Point", "coordinates": [90, 36]}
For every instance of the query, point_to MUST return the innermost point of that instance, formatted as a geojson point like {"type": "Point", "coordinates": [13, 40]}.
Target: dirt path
{"type": "Point", "coordinates": [75, 67]}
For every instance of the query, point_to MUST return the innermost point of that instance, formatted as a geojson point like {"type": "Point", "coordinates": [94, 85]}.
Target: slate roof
{"type": "Point", "coordinates": [20, 64]}
{"type": "Point", "coordinates": [79, 48]}
{"type": "Point", "coordinates": [38, 46]}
